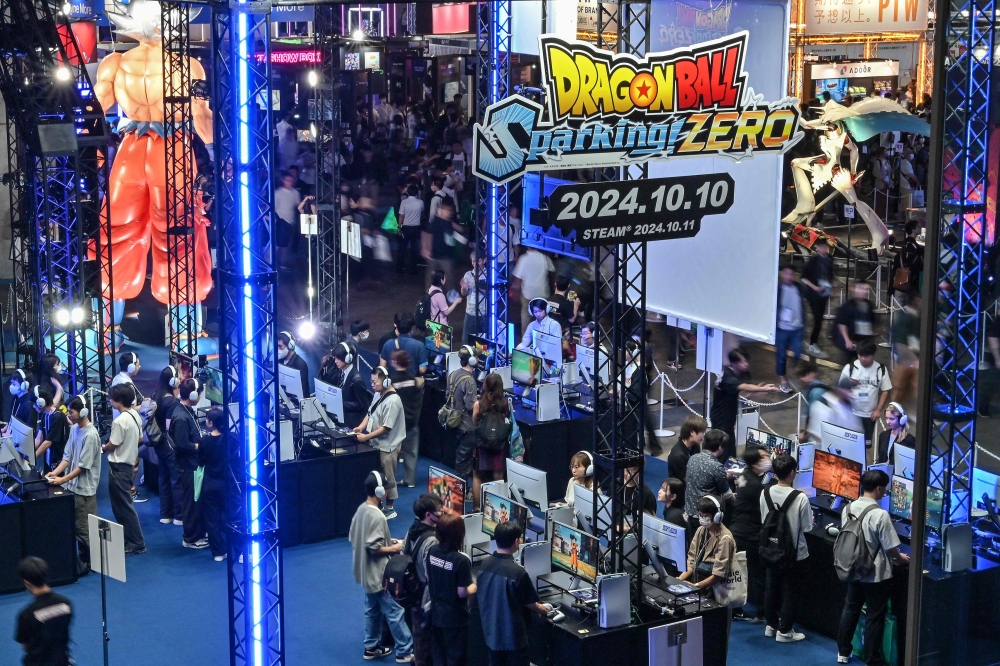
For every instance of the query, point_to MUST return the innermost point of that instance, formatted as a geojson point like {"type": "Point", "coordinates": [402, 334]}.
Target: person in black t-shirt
{"type": "Point", "coordinates": [449, 580]}
{"type": "Point", "coordinates": [212, 452]}
{"type": "Point", "coordinates": [166, 400]}
{"type": "Point", "coordinates": [745, 521]}
{"type": "Point", "coordinates": [688, 443]}
{"type": "Point", "coordinates": [53, 429]}
{"type": "Point", "coordinates": [726, 397]}
{"type": "Point", "coordinates": [420, 538]}
{"type": "Point", "coordinates": [648, 499]}
{"type": "Point", "coordinates": [43, 625]}
{"type": "Point", "coordinates": [567, 311]}
{"type": "Point", "coordinates": [505, 598]}
{"type": "Point", "coordinates": [672, 495]}
{"type": "Point", "coordinates": [411, 393]}
{"type": "Point", "coordinates": [818, 278]}
{"type": "Point", "coordinates": [854, 322]}
{"type": "Point", "coordinates": [23, 408]}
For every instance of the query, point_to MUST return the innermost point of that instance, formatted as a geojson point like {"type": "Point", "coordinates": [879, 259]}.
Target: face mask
{"type": "Point", "coordinates": [703, 521]}
{"type": "Point", "coordinates": [364, 335]}
{"type": "Point", "coordinates": [282, 353]}
{"type": "Point", "coordinates": [765, 466]}
{"type": "Point", "coordinates": [58, 369]}
{"type": "Point", "coordinates": [15, 390]}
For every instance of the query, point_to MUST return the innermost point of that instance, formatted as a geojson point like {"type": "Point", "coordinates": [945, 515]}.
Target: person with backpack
{"type": "Point", "coordinates": [449, 584]}
{"type": "Point", "coordinates": [427, 511]}
{"type": "Point", "coordinates": [384, 428]}
{"type": "Point", "coordinates": [870, 386]}
{"type": "Point", "coordinates": [786, 517]}
{"type": "Point", "coordinates": [863, 555]}
{"type": "Point", "coordinates": [457, 412]}
{"type": "Point", "coordinates": [494, 422]}
{"type": "Point", "coordinates": [439, 306]}
{"type": "Point", "coordinates": [166, 400]}
{"type": "Point", "coordinates": [405, 340]}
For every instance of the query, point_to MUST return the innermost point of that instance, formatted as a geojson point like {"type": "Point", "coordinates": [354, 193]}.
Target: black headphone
{"type": "Point", "coordinates": [348, 357]}
{"type": "Point", "coordinates": [379, 489]}
{"type": "Point", "coordinates": [39, 400]}
{"type": "Point", "coordinates": [538, 303]}
{"type": "Point", "coordinates": [23, 385]}
{"type": "Point", "coordinates": [717, 518]}
{"type": "Point", "coordinates": [291, 340]}
{"type": "Point", "coordinates": [173, 377]}
{"type": "Point", "coordinates": [384, 374]}
{"type": "Point", "coordinates": [590, 467]}
{"type": "Point", "coordinates": [473, 359]}
{"type": "Point", "coordinates": [193, 395]}
{"type": "Point", "coordinates": [130, 369]}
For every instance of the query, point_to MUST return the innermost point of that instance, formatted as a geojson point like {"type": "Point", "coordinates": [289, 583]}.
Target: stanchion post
{"type": "Point", "coordinates": [103, 530]}
{"type": "Point", "coordinates": [880, 307]}
{"type": "Point", "coordinates": [661, 431]}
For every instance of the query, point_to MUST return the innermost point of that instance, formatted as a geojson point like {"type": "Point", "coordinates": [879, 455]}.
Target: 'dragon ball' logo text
{"type": "Point", "coordinates": [606, 109]}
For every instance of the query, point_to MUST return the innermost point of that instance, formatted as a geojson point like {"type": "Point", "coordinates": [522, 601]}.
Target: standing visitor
{"type": "Point", "coordinates": [213, 455]}
{"type": "Point", "coordinates": [43, 625]}
{"type": "Point", "coordinates": [818, 279]}
{"type": "Point", "coordinates": [411, 393]}
{"type": "Point", "coordinates": [726, 397]}
{"type": "Point", "coordinates": [494, 424]}
{"type": "Point", "coordinates": [123, 450]}
{"type": "Point", "coordinates": [384, 428]}
{"type": "Point", "coordinates": [791, 325]}
{"type": "Point", "coordinates": [462, 388]}
{"type": "Point", "coordinates": [475, 299]}
{"type": "Point", "coordinates": [427, 511]}
{"type": "Point", "coordinates": [706, 476]}
{"type": "Point", "coordinates": [166, 400]}
{"type": "Point", "coordinates": [186, 435]}
{"type": "Point", "coordinates": [746, 522]}
{"type": "Point", "coordinates": [440, 309]}
{"type": "Point", "coordinates": [688, 443]}
{"type": "Point", "coordinates": [531, 280]}
{"type": "Point", "coordinates": [53, 429]}
{"type": "Point", "coordinates": [870, 386]}
{"type": "Point", "coordinates": [450, 583]}
{"type": "Point", "coordinates": [411, 210]}
{"type": "Point", "coordinates": [854, 322]}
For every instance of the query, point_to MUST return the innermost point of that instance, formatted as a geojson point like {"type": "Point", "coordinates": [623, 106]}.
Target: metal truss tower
{"type": "Point", "coordinates": [330, 263]}
{"type": "Point", "coordinates": [247, 303]}
{"type": "Point", "coordinates": [620, 293]}
{"type": "Point", "coordinates": [180, 171]}
{"type": "Point", "coordinates": [492, 228]}
{"type": "Point", "coordinates": [21, 300]}
{"type": "Point", "coordinates": [60, 151]}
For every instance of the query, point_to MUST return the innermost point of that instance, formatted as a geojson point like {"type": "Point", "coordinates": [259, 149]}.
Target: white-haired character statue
{"type": "Point", "coordinates": [137, 187]}
{"type": "Point", "coordinates": [839, 124]}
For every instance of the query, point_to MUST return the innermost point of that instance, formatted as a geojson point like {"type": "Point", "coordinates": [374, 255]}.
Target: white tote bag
{"type": "Point", "coordinates": [733, 592]}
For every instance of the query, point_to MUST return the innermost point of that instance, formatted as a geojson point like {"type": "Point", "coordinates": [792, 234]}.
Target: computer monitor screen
{"type": "Point", "coordinates": [838, 475]}
{"type": "Point", "coordinates": [332, 399]}
{"type": "Point", "coordinates": [291, 380]}
{"type": "Point", "coordinates": [774, 444]}
{"type": "Point", "coordinates": [585, 359]}
{"type": "Point", "coordinates": [525, 368]}
{"type": "Point", "coordinates": [498, 510]}
{"type": "Point", "coordinates": [23, 438]}
{"type": "Point", "coordinates": [667, 540]}
{"type": "Point", "coordinates": [935, 507]}
{"type": "Point", "coordinates": [903, 461]}
{"type": "Point", "coordinates": [450, 488]}
{"type": "Point", "coordinates": [530, 484]}
{"type": "Point", "coordinates": [575, 552]}
{"type": "Point", "coordinates": [438, 338]}
{"type": "Point", "coordinates": [900, 497]}
{"type": "Point", "coordinates": [549, 348]}
{"type": "Point", "coordinates": [213, 385]}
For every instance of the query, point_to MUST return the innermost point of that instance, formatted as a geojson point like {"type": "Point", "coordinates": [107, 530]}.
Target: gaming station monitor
{"type": "Point", "coordinates": [775, 445]}
{"type": "Point", "coordinates": [901, 498]}
{"type": "Point", "coordinates": [498, 510]}
{"type": "Point", "coordinates": [213, 384]}
{"type": "Point", "coordinates": [450, 488]}
{"type": "Point", "coordinates": [837, 475]}
{"type": "Point", "coordinates": [575, 552]}
{"type": "Point", "coordinates": [529, 484]}
{"type": "Point", "coordinates": [525, 368]}
{"type": "Point", "coordinates": [549, 348]}
{"type": "Point", "coordinates": [438, 337]}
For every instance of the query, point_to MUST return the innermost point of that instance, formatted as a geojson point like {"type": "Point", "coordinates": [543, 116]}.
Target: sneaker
{"type": "Point", "coordinates": [841, 659]}
{"type": "Point", "coordinates": [166, 521]}
{"type": "Point", "coordinates": [785, 388]}
{"type": "Point", "coordinates": [138, 500]}
{"type": "Point", "coordinates": [791, 637]}
{"type": "Point", "coordinates": [389, 513]}
{"type": "Point", "coordinates": [377, 652]}
{"type": "Point", "coordinates": [178, 523]}
{"type": "Point", "coordinates": [817, 352]}
{"type": "Point", "coordinates": [135, 551]}
{"type": "Point", "coordinates": [769, 631]}
{"type": "Point", "coordinates": [219, 558]}
{"type": "Point", "coordinates": [405, 659]}
{"type": "Point", "coordinates": [201, 543]}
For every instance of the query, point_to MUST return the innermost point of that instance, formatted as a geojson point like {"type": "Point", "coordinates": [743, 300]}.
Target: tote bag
{"type": "Point", "coordinates": [733, 591]}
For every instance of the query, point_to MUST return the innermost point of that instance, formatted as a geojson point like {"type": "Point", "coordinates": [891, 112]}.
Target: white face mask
{"type": "Point", "coordinates": [282, 353]}
{"type": "Point", "coordinates": [15, 389]}
{"type": "Point", "coordinates": [703, 521]}
{"type": "Point", "coordinates": [363, 336]}
{"type": "Point", "coordinates": [764, 466]}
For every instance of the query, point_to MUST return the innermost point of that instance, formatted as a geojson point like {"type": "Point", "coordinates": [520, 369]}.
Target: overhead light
{"type": "Point", "coordinates": [312, 130]}
{"type": "Point", "coordinates": [63, 74]}
{"type": "Point", "coordinates": [307, 330]}
{"type": "Point", "coordinates": [67, 8]}
{"type": "Point", "coordinates": [76, 316]}
{"type": "Point", "coordinates": [313, 78]}
{"type": "Point", "coordinates": [62, 317]}
{"type": "Point", "coordinates": [358, 35]}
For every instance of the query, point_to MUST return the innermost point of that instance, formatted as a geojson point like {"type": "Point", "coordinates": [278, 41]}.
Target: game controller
{"type": "Point", "coordinates": [555, 616]}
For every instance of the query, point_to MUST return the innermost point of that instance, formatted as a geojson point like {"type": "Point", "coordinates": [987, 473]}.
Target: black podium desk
{"type": "Point", "coordinates": [39, 523]}
{"type": "Point", "coordinates": [319, 492]}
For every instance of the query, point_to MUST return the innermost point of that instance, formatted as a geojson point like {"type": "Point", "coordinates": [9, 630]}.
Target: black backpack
{"type": "Point", "coordinates": [423, 311]}
{"type": "Point", "coordinates": [400, 578]}
{"type": "Point", "coordinates": [493, 431]}
{"type": "Point", "coordinates": [778, 548]}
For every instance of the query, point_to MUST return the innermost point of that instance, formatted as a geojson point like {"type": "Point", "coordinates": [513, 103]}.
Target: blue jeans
{"type": "Point", "coordinates": [377, 605]}
{"type": "Point", "coordinates": [782, 341]}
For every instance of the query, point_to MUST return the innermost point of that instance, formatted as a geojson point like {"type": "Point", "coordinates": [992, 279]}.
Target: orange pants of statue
{"type": "Point", "coordinates": [138, 197]}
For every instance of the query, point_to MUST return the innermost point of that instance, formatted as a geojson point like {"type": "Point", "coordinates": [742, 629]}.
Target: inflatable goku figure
{"type": "Point", "coordinates": [137, 187]}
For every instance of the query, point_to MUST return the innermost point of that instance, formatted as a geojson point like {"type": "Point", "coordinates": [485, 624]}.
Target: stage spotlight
{"type": "Point", "coordinates": [358, 35]}
{"type": "Point", "coordinates": [63, 74]}
{"type": "Point", "coordinates": [62, 317]}
{"type": "Point", "coordinates": [313, 78]}
{"type": "Point", "coordinates": [76, 316]}
{"type": "Point", "coordinates": [67, 9]}
{"type": "Point", "coordinates": [307, 330]}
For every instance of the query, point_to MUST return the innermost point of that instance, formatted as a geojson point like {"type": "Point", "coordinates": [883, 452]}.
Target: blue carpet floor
{"type": "Point", "coordinates": [173, 609]}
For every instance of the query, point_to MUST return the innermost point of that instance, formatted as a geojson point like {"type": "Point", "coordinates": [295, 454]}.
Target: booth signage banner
{"type": "Point", "coordinates": [606, 109]}
{"type": "Point", "coordinates": [840, 17]}
{"type": "Point", "coordinates": [637, 211]}
{"type": "Point", "coordinates": [852, 70]}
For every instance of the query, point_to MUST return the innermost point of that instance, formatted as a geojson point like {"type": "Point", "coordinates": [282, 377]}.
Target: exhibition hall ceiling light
{"type": "Point", "coordinates": [313, 78]}
{"type": "Point", "coordinates": [307, 330]}
{"type": "Point", "coordinates": [63, 74]}
{"type": "Point", "coordinates": [358, 35]}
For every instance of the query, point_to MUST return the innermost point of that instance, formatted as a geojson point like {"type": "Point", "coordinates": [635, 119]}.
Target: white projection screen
{"type": "Point", "coordinates": [726, 277]}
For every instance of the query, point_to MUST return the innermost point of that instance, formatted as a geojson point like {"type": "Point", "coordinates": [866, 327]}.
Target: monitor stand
{"type": "Point", "coordinates": [575, 583]}
{"type": "Point", "coordinates": [836, 503]}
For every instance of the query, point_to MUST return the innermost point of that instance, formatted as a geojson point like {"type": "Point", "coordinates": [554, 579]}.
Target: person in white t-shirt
{"type": "Point", "coordinates": [870, 386]}
{"type": "Point", "coordinates": [129, 366]}
{"type": "Point", "coordinates": [531, 280]}
{"type": "Point", "coordinates": [123, 451]}
{"type": "Point", "coordinates": [873, 591]}
{"type": "Point", "coordinates": [411, 210]}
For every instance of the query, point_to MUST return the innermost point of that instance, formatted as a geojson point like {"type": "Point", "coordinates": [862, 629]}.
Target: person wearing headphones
{"type": "Point", "coordinates": [288, 357]}
{"type": "Point", "coordinates": [462, 387]}
{"type": "Point", "coordinates": [356, 395]}
{"type": "Point", "coordinates": [79, 472]}
{"type": "Point", "coordinates": [541, 322]}
{"type": "Point", "coordinates": [23, 407]}
{"type": "Point", "coordinates": [186, 436]}
{"type": "Point", "coordinates": [166, 399]}
{"type": "Point", "coordinates": [128, 367]}
{"type": "Point", "coordinates": [384, 428]}
{"type": "Point", "coordinates": [360, 331]}
{"type": "Point", "coordinates": [896, 434]}
{"type": "Point", "coordinates": [411, 393]}
{"type": "Point", "coordinates": [53, 428]}
{"type": "Point", "coordinates": [581, 466]}
{"type": "Point", "coordinates": [122, 448]}
{"type": "Point", "coordinates": [371, 547]}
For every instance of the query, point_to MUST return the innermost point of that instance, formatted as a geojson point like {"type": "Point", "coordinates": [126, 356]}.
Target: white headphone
{"type": "Point", "coordinates": [473, 360]}
{"type": "Point", "coordinates": [384, 374]}
{"type": "Point", "coordinates": [84, 411]}
{"type": "Point", "coordinates": [23, 385]}
{"type": "Point", "coordinates": [590, 467]}
{"type": "Point", "coordinates": [39, 400]}
{"type": "Point", "coordinates": [717, 518]}
{"type": "Point", "coordinates": [131, 366]}
{"type": "Point", "coordinates": [349, 357]}
{"type": "Point", "coordinates": [173, 377]}
{"type": "Point", "coordinates": [903, 418]}
{"type": "Point", "coordinates": [379, 489]}
{"type": "Point", "coordinates": [193, 395]}
{"type": "Point", "coordinates": [291, 340]}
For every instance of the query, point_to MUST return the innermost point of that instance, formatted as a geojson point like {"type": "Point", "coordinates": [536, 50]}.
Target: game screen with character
{"type": "Point", "coordinates": [525, 368]}
{"type": "Point", "coordinates": [438, 338]}
{"type": "Point", "coordinates": [574, 552]}
{"type": "Point", "coordinates": [448, 487]}
{"type": "Point", "coordinates": [837, 475]}
{"type": "Point", "coordinates": [774, 444]}
{"type": "Point", "coordinates": [498, 510]}
{"type": "Point", "coordinates": [900, 497]}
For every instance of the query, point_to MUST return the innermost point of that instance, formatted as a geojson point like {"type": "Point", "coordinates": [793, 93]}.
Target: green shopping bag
{"type": "Point", "coordinates": [389, 224]}
{"type": "Point", "coordinates": [199, 478]}
{"type": "Point", "coordinates": [888, 639]}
